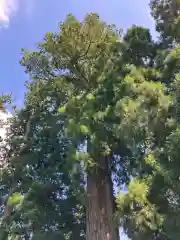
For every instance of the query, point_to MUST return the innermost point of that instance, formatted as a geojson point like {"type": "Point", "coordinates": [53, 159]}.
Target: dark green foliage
{"type": "Point", "coordinates": [167, 19]}
{"type": "Point", "coordinates": [50, 206]}
{"type": "Point", "coordinates": [95, 94]}
{"type": "Point", "coordinates": [140, 46]}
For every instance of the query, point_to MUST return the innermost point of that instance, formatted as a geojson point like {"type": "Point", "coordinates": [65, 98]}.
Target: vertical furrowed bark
{"type": "Point", "coordinates": [100, 221]}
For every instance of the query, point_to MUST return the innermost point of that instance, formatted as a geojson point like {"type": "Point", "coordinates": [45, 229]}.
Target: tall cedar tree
{"type": "Point", "coordinates": [80, 56]}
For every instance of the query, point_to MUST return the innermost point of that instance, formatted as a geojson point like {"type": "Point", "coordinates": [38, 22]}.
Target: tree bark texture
{"type": "Point", "coordinates": [100, 222]}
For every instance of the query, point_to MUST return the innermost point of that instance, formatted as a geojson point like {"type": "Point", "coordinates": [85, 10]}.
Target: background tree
{"type": "Point", "coordinates": [167, 20]}
{"type": "Point", "coordinates": [44, 203]}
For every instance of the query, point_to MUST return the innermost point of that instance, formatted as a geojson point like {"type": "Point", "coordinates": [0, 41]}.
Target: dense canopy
{"type": "Point", "coordinates": [101, 112]}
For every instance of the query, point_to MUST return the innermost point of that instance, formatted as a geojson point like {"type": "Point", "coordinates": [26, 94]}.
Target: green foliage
{"type": "Point", "coordinates": [166, 15]}
{"type": "Point", "coordinates": [15, 199]}
{"type": "Point", "coordinates": [48, 205]}
{"type": "Point", "coordinates": [122, 110]}
{"type": "Point", "coordinates": [94, 94]}
{"type": "Point", "coordinates": [140, 48]}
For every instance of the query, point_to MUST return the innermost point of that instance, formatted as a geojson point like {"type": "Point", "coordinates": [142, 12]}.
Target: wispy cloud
{"type": "Point", "coordinates": [8, 8]}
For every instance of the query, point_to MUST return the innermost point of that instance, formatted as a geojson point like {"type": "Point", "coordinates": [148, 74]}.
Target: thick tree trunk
{"type": "Point", "coordinates": [100, 205]}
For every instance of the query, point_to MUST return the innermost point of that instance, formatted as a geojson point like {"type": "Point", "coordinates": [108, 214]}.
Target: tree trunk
{"type": "Point", "coordinates": [100, 221]}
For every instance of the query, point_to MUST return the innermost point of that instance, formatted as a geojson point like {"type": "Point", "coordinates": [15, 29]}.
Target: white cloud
{"type": "Point", "coordinates": [7, 9]}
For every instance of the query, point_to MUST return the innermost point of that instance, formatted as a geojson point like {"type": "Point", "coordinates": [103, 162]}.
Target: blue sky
{"type": "Point", "coordinates": [25, 22]}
